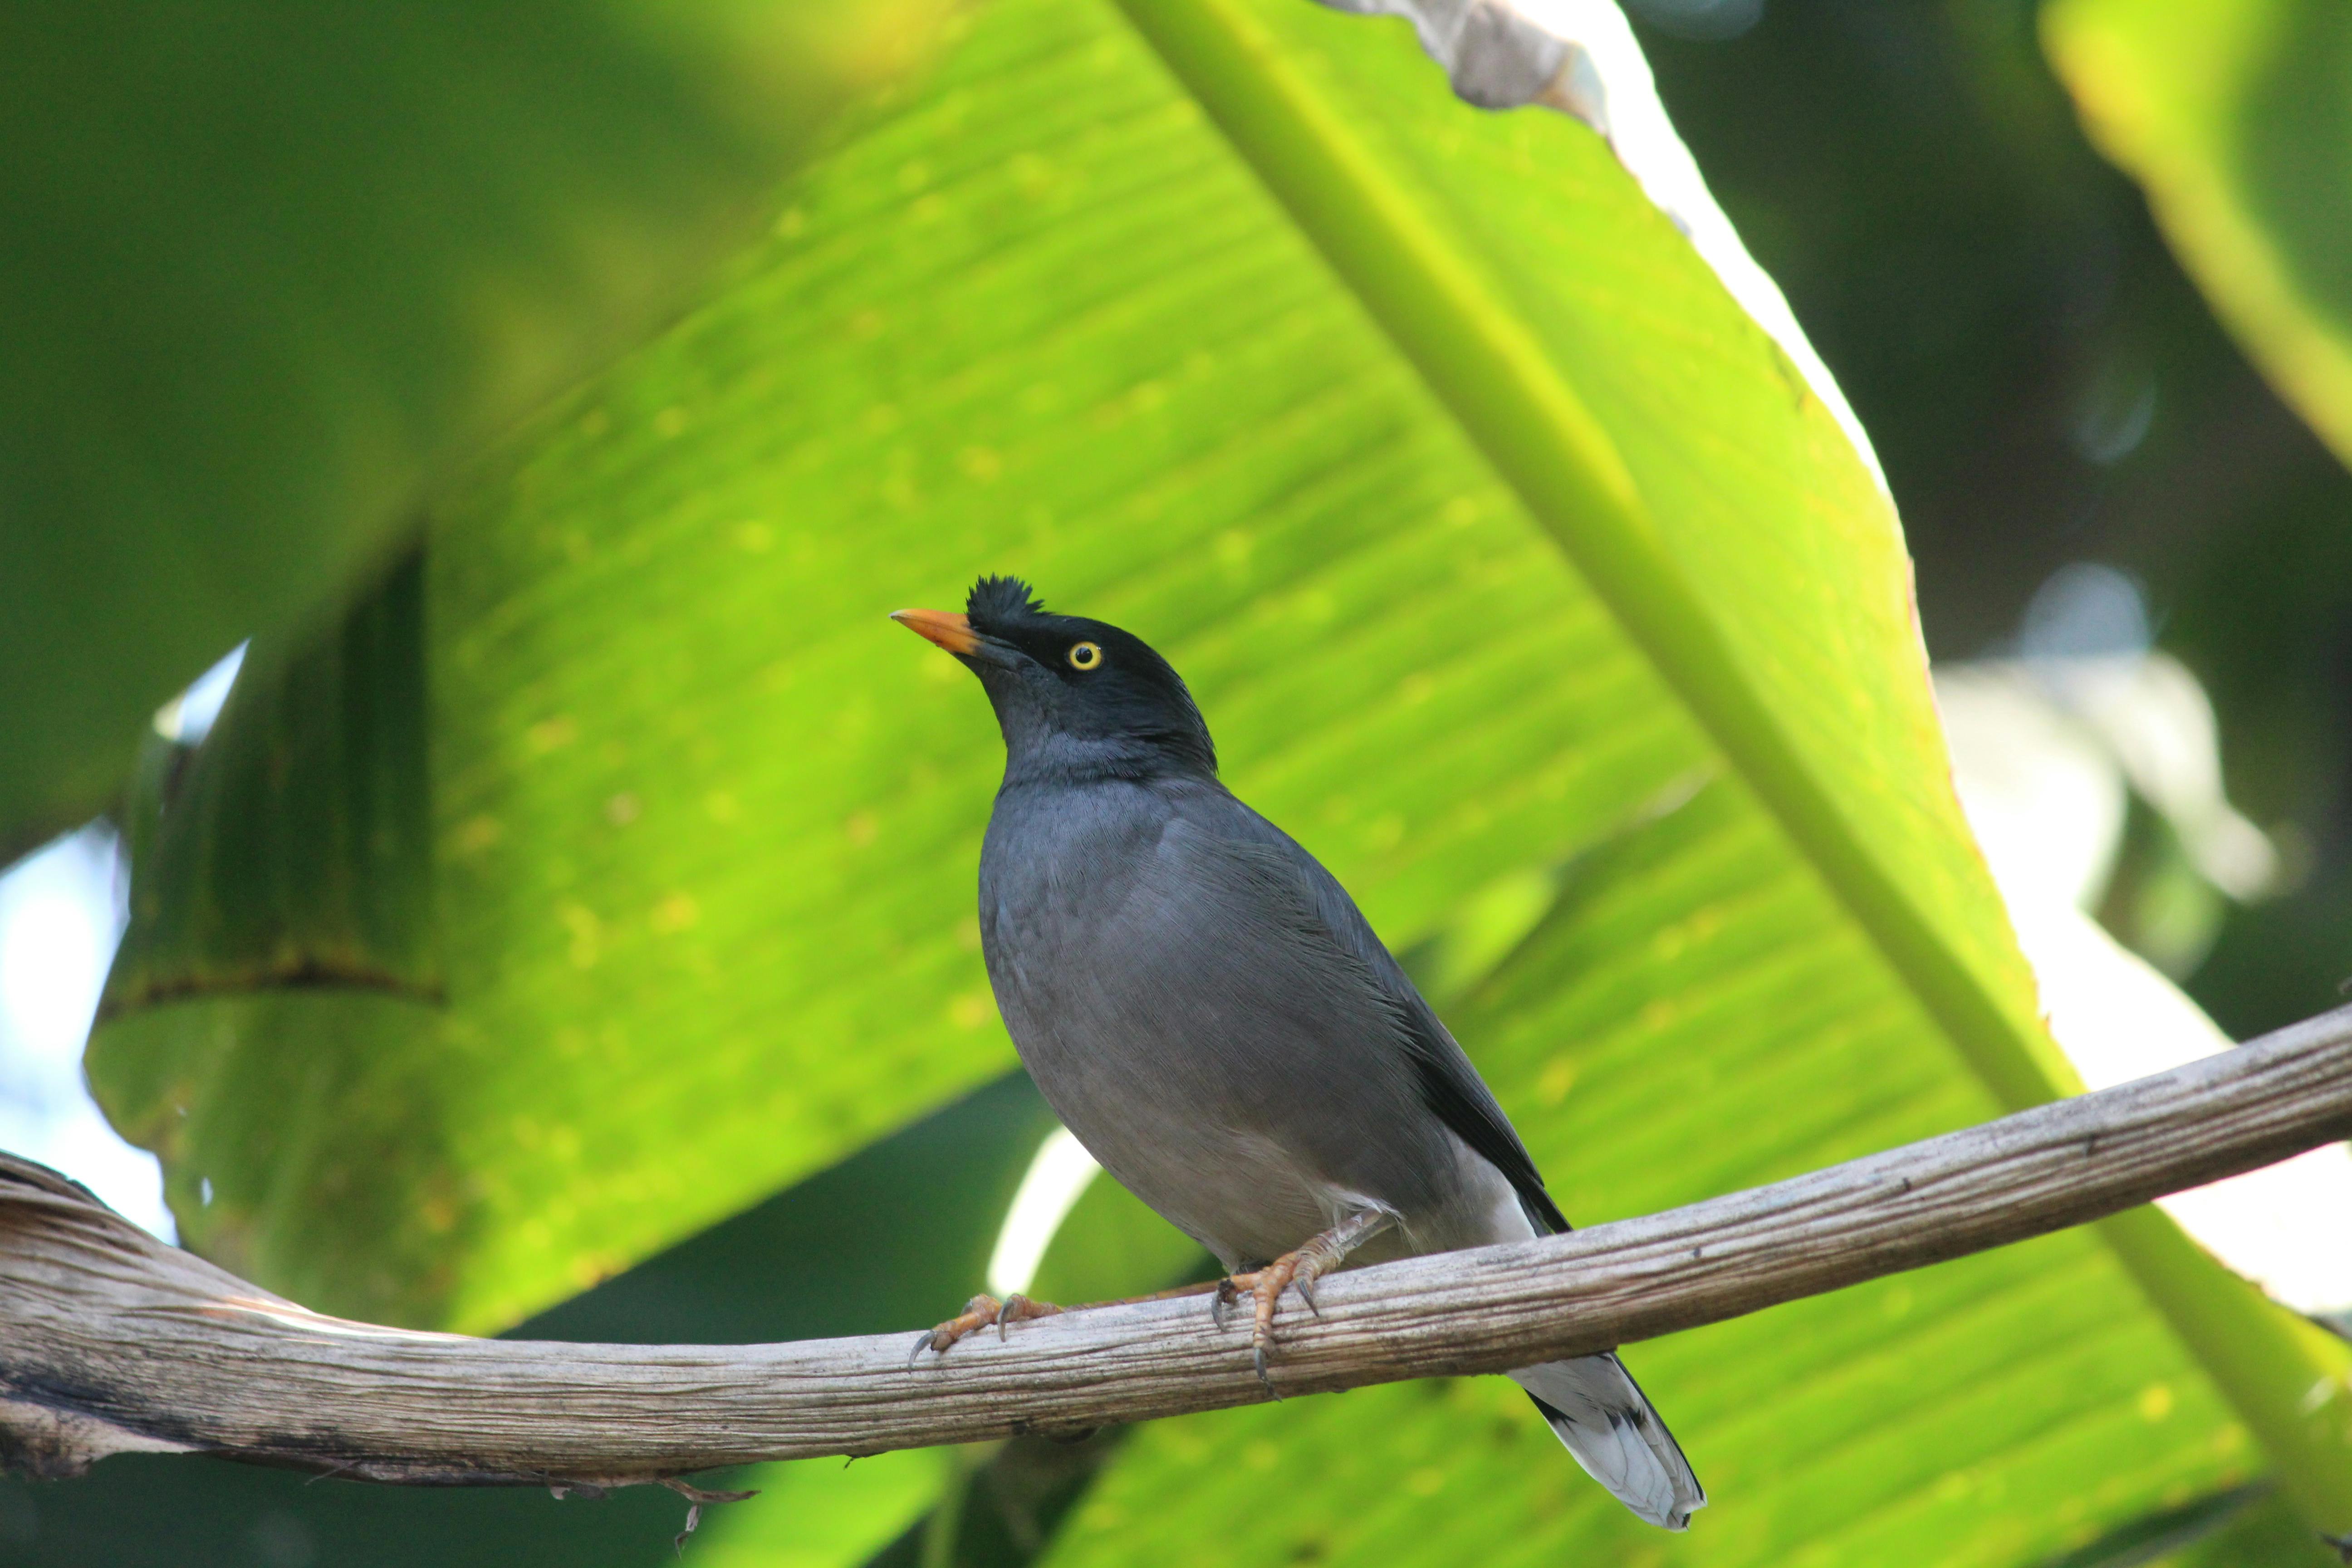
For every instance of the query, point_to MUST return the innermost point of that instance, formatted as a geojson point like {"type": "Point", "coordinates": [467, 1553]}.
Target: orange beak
{"type": "Point", "coordinates": [951, 632]}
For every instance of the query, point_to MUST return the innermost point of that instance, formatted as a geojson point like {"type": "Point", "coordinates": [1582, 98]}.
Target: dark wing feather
{"type": "Point", "coordinates": [1463, 1101]}
{"type": "Point", "coordinates": [1450, 1086]}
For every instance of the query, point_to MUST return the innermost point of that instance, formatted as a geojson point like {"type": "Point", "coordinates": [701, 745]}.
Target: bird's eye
{"type": "Point", "coordinates": [1085, 656]}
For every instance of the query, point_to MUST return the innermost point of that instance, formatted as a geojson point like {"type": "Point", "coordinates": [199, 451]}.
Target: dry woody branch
{"type": "Point", "coordinates": [111, 1341]}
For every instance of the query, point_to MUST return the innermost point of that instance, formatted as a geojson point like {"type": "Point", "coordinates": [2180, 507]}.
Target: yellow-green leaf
{"type": "Point", "coordinates": [2235, 116]}
{"type": "Point", "coordinates": [1487, 530]}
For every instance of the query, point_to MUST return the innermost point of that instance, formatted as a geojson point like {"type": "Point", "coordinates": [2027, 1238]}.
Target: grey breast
{"type": "Point", "coordinates": [1196, 1024]}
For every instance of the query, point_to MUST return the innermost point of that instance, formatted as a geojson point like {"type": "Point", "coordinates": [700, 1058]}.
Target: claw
{"type": "Point", "coordinates": [1298, 1270]}
{"type": "Point", "coordinates": [1257, 1358]}
{"type": "Point", "coordinates": [1020, 1309]}
{"type": "Point", "coordinates": [978, 1313]}
{"type": "Point", "coordinates": [980, 1310]}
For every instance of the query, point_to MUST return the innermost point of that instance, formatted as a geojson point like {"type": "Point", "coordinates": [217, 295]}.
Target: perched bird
{"type": "Point", "coordinates": [1205, 1008]}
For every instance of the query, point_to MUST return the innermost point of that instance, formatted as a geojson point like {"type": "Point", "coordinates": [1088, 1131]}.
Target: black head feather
{"type": "Point", "coordinates": [1127, 712]}
{"type": "Point", "coordinates": [995, 603]}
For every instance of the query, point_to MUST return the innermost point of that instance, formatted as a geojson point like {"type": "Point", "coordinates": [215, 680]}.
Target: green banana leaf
{"type": "Point", "coordinates": [2002, 1410]}
{"type": "Point", "coordinates": [273, 267]}
{"type": "Point", "coordinates": [2235, 116]}
{"type": "Point", "coordinates": [1501, 550]}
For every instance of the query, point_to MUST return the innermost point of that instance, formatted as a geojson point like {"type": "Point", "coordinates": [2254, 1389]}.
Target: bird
{"type": "Point", "coordinates": [1207, 1011]}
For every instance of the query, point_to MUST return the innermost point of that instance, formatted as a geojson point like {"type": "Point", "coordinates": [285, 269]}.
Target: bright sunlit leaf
{"type": "Point", "coordinates": [1519, 574]}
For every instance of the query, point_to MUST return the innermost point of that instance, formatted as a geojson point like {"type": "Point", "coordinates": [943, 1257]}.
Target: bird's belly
{"type": "Point", "coordinates": [1168, 1117]}
{"type": "Point", "coordinates": [1222, 1067]}
{"type": "Point", "coordinates": [1249, 1195]}
{"type": "Point", "coordinates": [1241, 1128]}
{"type": "Point", "coordinates": [1242, 1195]}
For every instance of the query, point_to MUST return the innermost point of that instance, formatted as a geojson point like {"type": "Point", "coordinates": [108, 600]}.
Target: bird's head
{"type": "Point", "coordinates": [1073, 696]}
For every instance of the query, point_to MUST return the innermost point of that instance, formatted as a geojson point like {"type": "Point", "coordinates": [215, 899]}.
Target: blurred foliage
{"type": "Point", "coordinates": [700, 826]}
{"type": "Point", "coordinates": [272, 267]}
{"type": "Point", "coordinates": [2237, 120]}
{"type": "Point", "coordinates": [2045, 386]}
{"type": "Point", "coordinates": [2264, 1533]}
{"type": "Point", "coordinates": [304, 844]}
{"type": "Point", "coordinates": [2236, 116]}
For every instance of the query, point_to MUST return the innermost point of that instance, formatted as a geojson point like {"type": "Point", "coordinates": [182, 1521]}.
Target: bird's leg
{"type": "Point", "coordinates": [978, 1313]}
{"type": "Point", "coordinates": [1301, 1269]}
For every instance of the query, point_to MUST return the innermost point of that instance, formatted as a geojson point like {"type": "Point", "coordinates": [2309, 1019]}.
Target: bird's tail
{"type": "Point", "coordinates": [1614, 1431]}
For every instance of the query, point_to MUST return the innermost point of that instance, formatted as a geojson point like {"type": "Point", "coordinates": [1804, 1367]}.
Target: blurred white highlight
{"type": "Point", "coordinates": [2046, 751]}
{"type": "Point", "coordinates": [61, 913]}
{"type": "Point", "coordinates": [188, 718]}
{"type": "Point", "coordinates": [1058, 1178]}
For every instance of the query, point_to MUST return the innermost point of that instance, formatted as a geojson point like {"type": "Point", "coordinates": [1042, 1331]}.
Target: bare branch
{"type": "Point", "coordinates": [111, 1341]}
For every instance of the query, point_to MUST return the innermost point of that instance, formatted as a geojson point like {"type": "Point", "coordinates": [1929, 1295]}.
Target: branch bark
{"type": "Point", "coordinates": [111, 1341]}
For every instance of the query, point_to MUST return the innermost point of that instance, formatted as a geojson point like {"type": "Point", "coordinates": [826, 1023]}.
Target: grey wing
{"type": "Point", "coordinates": [1449, 1085]}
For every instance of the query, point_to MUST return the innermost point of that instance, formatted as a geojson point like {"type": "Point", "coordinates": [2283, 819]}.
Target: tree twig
{"type": "Point", "coordinates": [111, 1341]}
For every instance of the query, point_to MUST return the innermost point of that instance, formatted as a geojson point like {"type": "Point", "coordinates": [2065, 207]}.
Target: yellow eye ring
{"type": "Point", "coordinates": [1085, 656]}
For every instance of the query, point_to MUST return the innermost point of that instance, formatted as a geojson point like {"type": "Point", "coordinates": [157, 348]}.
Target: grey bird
{"type": "Point", "coordinates": [1206, 1010]}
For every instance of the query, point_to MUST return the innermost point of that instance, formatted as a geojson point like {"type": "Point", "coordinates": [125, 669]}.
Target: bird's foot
{"type": "Point", "coordinates": [979, 1313]}
{"type": "Point", "coordinates": [1294, 1270]}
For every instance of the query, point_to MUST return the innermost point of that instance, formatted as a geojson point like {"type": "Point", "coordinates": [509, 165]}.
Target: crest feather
{"type": "Point", "coordinates": [996, 600]}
